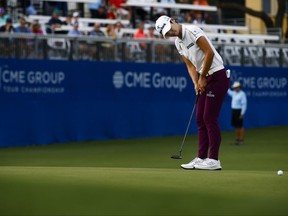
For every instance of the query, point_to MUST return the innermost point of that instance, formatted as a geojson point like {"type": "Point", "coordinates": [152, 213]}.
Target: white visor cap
{"type": "Point", "coordinates": [236, 84]}
{"type": "Point", "coordinates": [163, 25]}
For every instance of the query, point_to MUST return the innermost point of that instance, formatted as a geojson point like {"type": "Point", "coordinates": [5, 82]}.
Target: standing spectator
{"type": "Point", "coordinates": [54, 22]}
{"type": "Point", "coordinates": [206, 69]}
{"type": "Point", "coordinates": [239, 106]}
{"type": "Point", "coordinates": [3, 16]}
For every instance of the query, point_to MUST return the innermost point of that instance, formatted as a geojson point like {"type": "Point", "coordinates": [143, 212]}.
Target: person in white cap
{"type": "Point", "coordinates": [206, 69]}
{"type": "Point", "coordinates": [239, 107]}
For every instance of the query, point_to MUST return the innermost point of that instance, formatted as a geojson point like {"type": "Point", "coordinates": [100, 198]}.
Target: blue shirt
{"type": "Point", "coordinates": [239, 100]}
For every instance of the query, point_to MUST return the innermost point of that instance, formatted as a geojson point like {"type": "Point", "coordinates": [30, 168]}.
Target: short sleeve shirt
{"type": "Point", "coordinates": [189, 49]}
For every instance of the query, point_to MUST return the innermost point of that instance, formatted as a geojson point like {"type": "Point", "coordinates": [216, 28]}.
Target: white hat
{"type": "Point", "coordinates": [76, 14]}
{"type": "Point", "coordinates": [163, 25]}
{"type": "Point", "coordinates": [236, 84]}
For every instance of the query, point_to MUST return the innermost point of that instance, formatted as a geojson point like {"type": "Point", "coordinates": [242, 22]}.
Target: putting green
{"type": "Point", "coordinates": [137, 177]}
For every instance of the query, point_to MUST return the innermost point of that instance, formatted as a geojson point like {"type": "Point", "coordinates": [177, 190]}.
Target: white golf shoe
{"type": "Point", "coordinates": [208, 164]}
{"type": "Point", "coordinates": [191, 164]}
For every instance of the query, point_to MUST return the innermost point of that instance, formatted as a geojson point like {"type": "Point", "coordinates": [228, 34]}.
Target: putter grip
{"type": "Point", "coordinates": [197, 97]}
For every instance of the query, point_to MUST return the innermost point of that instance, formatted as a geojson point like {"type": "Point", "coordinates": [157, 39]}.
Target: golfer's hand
{"type": "Point", "coordinates": [202, 84]}
{"type": "Point", "coordinates": [241, 117]}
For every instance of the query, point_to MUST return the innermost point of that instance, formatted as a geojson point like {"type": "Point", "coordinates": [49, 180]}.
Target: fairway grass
{"type": "Point", "coordinates": [137, 177]}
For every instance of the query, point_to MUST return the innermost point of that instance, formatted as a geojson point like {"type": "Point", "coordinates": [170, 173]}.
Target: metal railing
{"type": "Point", "coordinates": [63, 47]}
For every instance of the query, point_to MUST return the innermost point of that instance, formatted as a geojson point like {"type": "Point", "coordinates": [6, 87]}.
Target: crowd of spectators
{"type": "Point", "coordinates": [62, 21]}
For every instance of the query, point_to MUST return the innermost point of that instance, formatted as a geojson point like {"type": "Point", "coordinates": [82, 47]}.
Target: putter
{"type": "Point", "coordinates": [187, 129]}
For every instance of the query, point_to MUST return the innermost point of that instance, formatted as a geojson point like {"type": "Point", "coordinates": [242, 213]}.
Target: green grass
{"type": "Point", "coordinates": [137, 177]}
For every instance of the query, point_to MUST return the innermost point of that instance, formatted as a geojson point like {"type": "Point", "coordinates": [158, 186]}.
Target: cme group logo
{"type": "Point", "coordinates": [118, 79]}
{"type": "Point", "coordinates": [131, 79]}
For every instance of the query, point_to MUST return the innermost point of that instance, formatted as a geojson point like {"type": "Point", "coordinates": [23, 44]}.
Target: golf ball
{"type": "Point", "coordinates": [280, 173]}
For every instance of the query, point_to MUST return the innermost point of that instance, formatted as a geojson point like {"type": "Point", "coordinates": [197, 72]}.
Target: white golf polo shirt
{"type": "Point", "coordinates": [189, 49]}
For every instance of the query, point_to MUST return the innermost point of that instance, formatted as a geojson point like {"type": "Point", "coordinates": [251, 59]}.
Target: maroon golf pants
{"type": "Point", "coordinates": [208, 110]}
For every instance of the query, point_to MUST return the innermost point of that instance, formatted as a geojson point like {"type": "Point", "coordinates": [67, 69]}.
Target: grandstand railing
{"type": "Point", "coordinates": [75, 48]}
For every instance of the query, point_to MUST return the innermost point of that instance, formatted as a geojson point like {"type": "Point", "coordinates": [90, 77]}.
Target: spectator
{"type": "Point", "coordinates": [3, 16]}
{"type": "Point", "coordinates": [68, 20]}
{"type": "Point", "coordinates": [112, 13]}
{"type": "Point", "coordinates": [23, 28]}
{"type": "Point", "coordinates": [239, 106]}
{"type": "Point", "coordinates": [36, 28]}
{"type": "Point", "coordinates": [119, 30]}
{"type": "Point", "coordinates": [7, 44]}
{"type": "Point", "coordinates": [75, 19]}
{"type": "Point", "coordinates": [24, 46]}
{"type": "Point", "coordinates": [75, 31]}
{"type": "Point", "coordinates": [110, 31]}
{"type": "Point", "coordinates": [140, 32]}
{"type": "Point", "coordinates": [151, 33]}
{"type": "Point", "coordinates": [8, 27]}
{"type": "Point", "coordinates": [95, 47]}
{"type": "Point", "coordinates": [30, 10]}
{"type": "Point", "coordinates": [94, 7]}
{"type": "Point", "coordinates": [97, 31]}
{"type": "Point", "coordinates": [122, 12]}
{"type": "Point", "coordinates": [198, 19]}
{"type": "Point", "coordinates": [54, 22]}
{"type": "Point", "coordinates": [101, 13]}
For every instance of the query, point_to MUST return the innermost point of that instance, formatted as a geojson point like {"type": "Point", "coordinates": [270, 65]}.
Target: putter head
{"type": "Point", "coordinates": [176, 157]}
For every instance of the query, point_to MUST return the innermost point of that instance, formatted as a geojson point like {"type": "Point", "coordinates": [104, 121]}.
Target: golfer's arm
{"type": "Point", "coordinates": [191, 70]}
{"type": "Point", "coordinates": [208, 52]}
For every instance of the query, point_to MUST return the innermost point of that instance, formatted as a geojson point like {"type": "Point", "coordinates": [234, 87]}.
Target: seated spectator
{"type": "Point", "coordinates": [30, 10]}
{"type": "Point", "coordinates": [94, 7]}
{"type": "Point", "coordinates": [119, 30]}
{"type": "Point", "coordinates": [7, 44]}
{"type": "Point", "coordinates": [75, 31]}
{"type": "Point", "coordinates": [151, 33]}
{"type": "Point", "coordinates": [110, 31]}
{"type": "Point", "coordinates": [101, 13]}
{"type": "Point", "coordinates": [54, 22]}
{"type": "Point", "coordinates": [36, 28]}
{"type": "Point", "coordinates": [8, 27]}
{"type": "Point", "coordinates": [95, 47]}
{"type": "Point", "coordinates": [140, 34]}
{"type": "Point", "coordinates": [198, 19]}
{"type": "Point", "coordinates": [3, 16]}
{"type": "Point", "coordinates": [24, 46]}
{"type": "Point", "coordinates": [68, 20]}
{"type": "Point", "coordinates": [122, 12]}
{"type": "Point", "coordinates": [112, 13]}
{"type": "Point", "coordinates": [23, 28]}
{"type": "Point", "coordinates": [75, 19]}
{"type": "Point", "coordinates": [97, 31]}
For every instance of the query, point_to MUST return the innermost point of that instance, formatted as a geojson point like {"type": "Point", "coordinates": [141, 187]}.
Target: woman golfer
{"type": "Point", "coordinates": [205, 67]}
